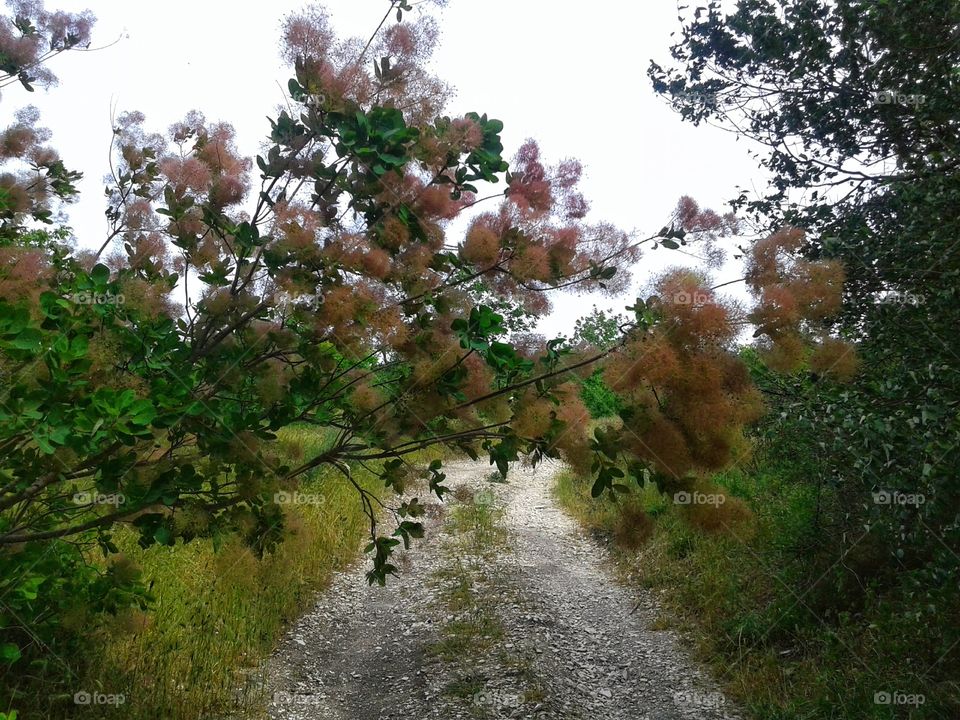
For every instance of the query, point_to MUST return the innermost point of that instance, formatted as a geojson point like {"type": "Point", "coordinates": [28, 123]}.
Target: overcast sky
{"type": "Point", "coordinates": [572, 75]}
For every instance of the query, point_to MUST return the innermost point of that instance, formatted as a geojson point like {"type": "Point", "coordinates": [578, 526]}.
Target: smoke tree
{"type": "Point", "coordinates": [321, 283]}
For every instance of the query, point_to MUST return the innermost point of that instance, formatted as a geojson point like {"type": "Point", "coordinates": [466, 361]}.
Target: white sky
{"type": "Point", "coordinates": [572, 75]}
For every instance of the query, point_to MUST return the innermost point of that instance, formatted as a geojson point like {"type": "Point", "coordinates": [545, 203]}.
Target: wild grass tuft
{"type": "Point", "coordinates": [219, 612]}
{"type": "Point", "coordinates": [736, 579]}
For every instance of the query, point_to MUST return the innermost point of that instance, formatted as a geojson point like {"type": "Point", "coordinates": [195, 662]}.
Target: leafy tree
{"type": "Point", "coordinates": [146, 380]}
{"type": "Point", "coordinates": [600, 401]}
{"type": "Point", "coordinates": [854, 104]}
{"type": "Point", "coordinates": [599, 329]}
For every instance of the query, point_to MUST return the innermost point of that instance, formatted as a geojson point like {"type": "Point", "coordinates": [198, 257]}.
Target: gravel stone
{"type": "Point", "coordinates": [576, 645]}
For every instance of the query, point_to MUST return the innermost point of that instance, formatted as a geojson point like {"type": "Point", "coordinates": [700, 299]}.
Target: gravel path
{"type": "Point", "coordinates": [563, 641]}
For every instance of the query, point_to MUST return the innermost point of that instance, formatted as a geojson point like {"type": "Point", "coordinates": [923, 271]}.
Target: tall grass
{"type": "Point", "coordinates": [196, 654]}
{"type": "Point", "coordinates": [741, 590]}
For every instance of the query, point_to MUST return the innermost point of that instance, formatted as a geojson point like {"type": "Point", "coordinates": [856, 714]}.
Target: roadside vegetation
{"type": "Point", "coordinates": [217, 612]}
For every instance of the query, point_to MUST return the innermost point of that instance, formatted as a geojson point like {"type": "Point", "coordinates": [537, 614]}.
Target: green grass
{"type": "Point", "coordinates": [778, 633]}
{"type": "Point", "coordinates": [478, 535]}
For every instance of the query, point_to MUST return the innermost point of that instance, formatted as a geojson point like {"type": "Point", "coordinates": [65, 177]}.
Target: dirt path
{"type": "Point", "coordinates": [536, 627]}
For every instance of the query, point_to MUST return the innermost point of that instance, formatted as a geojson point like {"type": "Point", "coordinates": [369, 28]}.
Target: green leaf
{"type": "Point", "coordinates": [28, 339]}
{"type": "Point", "coordinates": [599, 486]}
{"type": "Point", "coordinates": [31, 587]}
{"type": "Point", "coordinates": [163, 536]}
{"type": "Point", "coordinates": [9, 653]}
{"type": "Point", "coordinates": [100, 274]}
